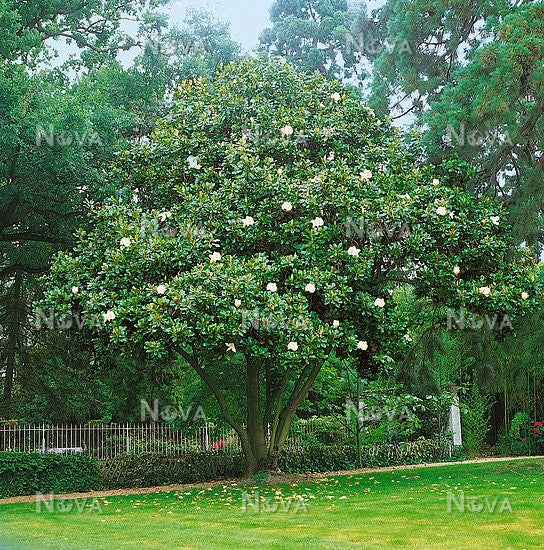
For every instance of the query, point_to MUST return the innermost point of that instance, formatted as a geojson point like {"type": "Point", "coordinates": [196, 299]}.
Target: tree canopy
{"type": "Point", "coordinates": [270, 220]}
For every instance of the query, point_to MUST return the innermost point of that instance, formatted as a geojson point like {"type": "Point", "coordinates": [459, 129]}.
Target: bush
{"type": "Point", "coordinates": [326, 458]}
{"type": "Point", "coordinates": [28, 473]}
{"type": "Point", "coordinates": [517, 441]}
{"type": "Point", "coordinates": [148, 470]}
{"type": "Point", "coordinates": [538, 437]}
{"type": "Point", "coordinates": [475, 409]}
{"type": "Point", "coordinates": [319, 458]}
{"type": "Point", "coordinates": [324, 430]}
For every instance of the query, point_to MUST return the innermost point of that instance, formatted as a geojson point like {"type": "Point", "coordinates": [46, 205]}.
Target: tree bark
{"type": "Point", "coordinates": [255, 428]}
{"type": "Point", "coordinates": [12, 343]}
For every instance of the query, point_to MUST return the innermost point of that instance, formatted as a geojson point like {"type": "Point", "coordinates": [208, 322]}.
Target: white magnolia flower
{"type": "Point", "coordinates": [237, 303]}
{"type": "Point", "coordinates": [231, 347]}
{"type": "Point", "coordinates": [318, 222]}
{"type": "Point", "coordinates": [109, 315]}
{"type": "Point", "coordinates": [336, 97]}
{"type": "Point", "coordinates": [452, 214]}
{"type": "Point", "coordinates": [362, 345]}
{"type": "Point", "coordinates": [336, 323]}
{"type": "Point", "coordinates": [379, 302]}
{"type": "Point", "coordinates": [272, 287]}
{"type": "Point", "coordinates": [485, 290]}
{"type": "Point", "coordinates": [247, 221]}
{"type": "Point", "coordinates": [75, 290]}
{"type": "Point", "coordinates": [287, 130]}
{"type": "Point", "coordinates": [215, 257]}
{"type": "Point", "coordinates": [495, 220]}
{"type": "Point", "coordinates": [165, 215]}
{"type": "Point", "coordinates": [287, 206]}
{"type": "Point", "coordinates": [456, 270]}
{"type": "Point", "coordinates": [161, 289]}
{"type": "Point", "coordinates": [436, 181]}
{"type": "Point", "coordinates": [135, 197]}
{"type": "Point", "coordinates": [365, 175]}
{"type": "Point", "coordinates": [331, 156]}
{"type": "Point", "coordinates": [193, 162]}
{"type": "Point", "coordinates": [524, 296]}
{"type": "Point", "coordinates": [441, 211]}
{"type": "Point", "coordinates": [310, 288]}
{"type": "Point", "coordinates": [408, 338]}
{"type": "Point", "coordinates": [292, 346]}
{"type": "Point", "coordinates": [125, 241]}
{"type": "Point", "coordinates": [354, 251]}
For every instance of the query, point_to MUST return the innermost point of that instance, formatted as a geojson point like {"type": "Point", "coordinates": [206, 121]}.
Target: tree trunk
{"type": "Point", "coordinates": [258, 461]}
{"type": "Point", "coordinates": [12, 344]}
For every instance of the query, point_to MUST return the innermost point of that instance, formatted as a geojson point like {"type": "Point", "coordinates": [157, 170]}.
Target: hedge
{"type": "Point", "coordinates": [327, 458]}
{"type": "Point", "coordinates": [148, 470]}
{"type": "Point", "coordinates": [29, 473]}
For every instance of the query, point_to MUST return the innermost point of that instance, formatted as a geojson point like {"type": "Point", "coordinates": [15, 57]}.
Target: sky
{"type": "Point", "coordinates": [248, 18]}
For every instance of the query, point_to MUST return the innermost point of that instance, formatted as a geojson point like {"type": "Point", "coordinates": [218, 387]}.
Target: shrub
{"type": "Point", "coordinates": [155, 469]}
{"type": "Point", "coordinates": [326, 458]}
{"type": "Point", "coordinates": [516, 441]}
{"type": "Point", "coordinates": [148, 470]}
{"type": "Point", "coordinates": [475, 419]}
{"type": "Point", "coordinates": [538, 437]}
{"type": "Point", "coordinates": [28, 473]}
{"type": "Point", "coordinates": [324, 430]}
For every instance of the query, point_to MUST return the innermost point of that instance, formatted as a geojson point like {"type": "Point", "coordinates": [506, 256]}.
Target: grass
{"type": "Point", "coordinates": [394, 509]}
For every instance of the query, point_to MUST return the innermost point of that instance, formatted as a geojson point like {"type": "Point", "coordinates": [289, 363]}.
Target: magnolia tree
{"type": "Point", "coordinates": [268, 223]}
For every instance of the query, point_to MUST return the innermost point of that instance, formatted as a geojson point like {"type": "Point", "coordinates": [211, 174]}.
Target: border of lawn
{"type": "Point", "coordinates": [280, 478]}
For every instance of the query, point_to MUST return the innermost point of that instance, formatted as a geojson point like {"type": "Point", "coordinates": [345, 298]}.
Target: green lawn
{"type": "Point", "coordinates": [399, 509]}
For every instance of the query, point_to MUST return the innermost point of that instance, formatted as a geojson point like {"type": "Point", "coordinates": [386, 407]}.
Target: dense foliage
{"type": "Point", "coordinates": [253, 243]}
{"type": "Point", "coordinates": [30, 473]}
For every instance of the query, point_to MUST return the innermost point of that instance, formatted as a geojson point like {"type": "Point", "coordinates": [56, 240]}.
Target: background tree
{"type": "Point", "coordinates": [60, 127]}
{"type": "Point", "coordinates": [319, 35]}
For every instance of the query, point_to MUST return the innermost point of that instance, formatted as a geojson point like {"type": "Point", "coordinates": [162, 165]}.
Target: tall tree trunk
{"type": "Point", "coordinates": [12, 343]}
{"type": "Point", "coordinates": [255, 427]}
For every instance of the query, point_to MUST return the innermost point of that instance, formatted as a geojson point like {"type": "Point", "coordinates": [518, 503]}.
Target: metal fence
{"type": "Point", "coordinates": [105, 441]}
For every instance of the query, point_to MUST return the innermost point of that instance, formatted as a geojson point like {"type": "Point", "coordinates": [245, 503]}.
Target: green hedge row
{"type": "Point", "coordinates": [29, 473]}
{"type": "Point", "coordinates": [148, 470]}
{"type": "Point", "coordinates": [328, 458]}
